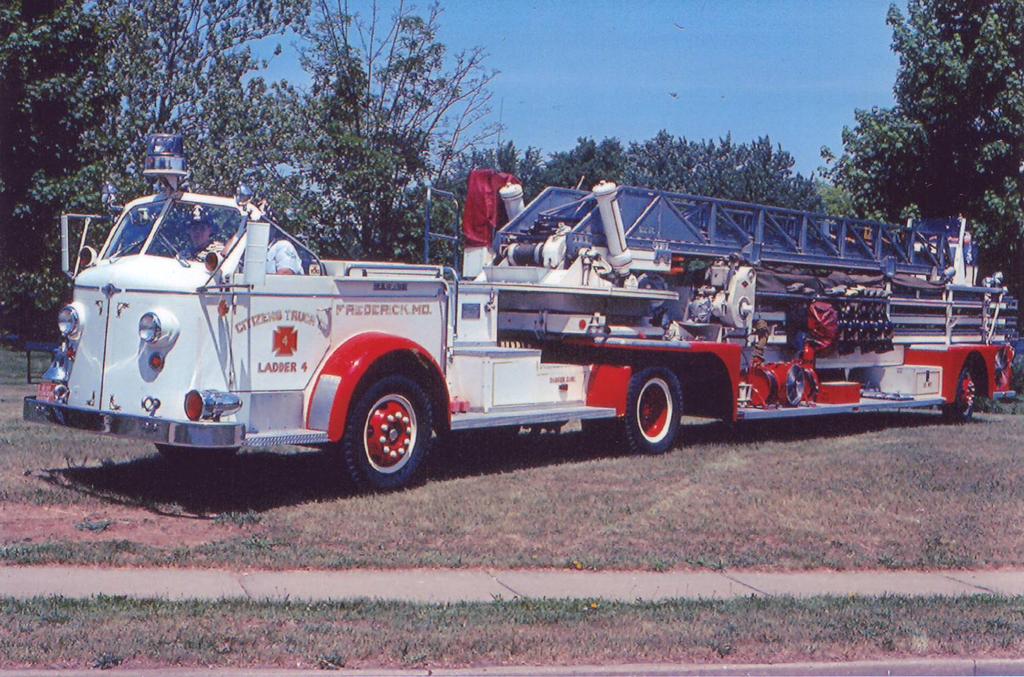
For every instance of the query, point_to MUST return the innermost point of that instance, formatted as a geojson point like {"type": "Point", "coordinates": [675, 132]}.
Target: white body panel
{"type": "Point", "coordinates": [493, 378]}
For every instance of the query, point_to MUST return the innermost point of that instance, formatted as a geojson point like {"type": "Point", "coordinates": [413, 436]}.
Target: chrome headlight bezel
{"type": "Point", "coordinates": [69, 322]}
{"type": "Point", "coordinates": [150, 327]}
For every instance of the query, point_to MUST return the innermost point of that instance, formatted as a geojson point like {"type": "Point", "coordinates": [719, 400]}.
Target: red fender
{"type": "Point", "coordinates": [608, 386]}
{"type": "Point", "coordinates": [952, 361]}
{"type": "Point", "coordinates": [346, 367]}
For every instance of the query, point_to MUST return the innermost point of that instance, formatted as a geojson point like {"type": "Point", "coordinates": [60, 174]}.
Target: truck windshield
{"type": "Point", "coordinates": [134, 230]}
{"type": "Point", "coordinates": [191, 230]}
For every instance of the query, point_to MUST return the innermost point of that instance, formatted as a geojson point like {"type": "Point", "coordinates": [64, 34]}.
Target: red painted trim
{"type": "Point", "coordinates": [351, 360]}
{"type": "Point", "coordinates": [952, 362]}
{"type": "Point", "coordinates": [608, 387]}
{"type": "Point", "coordinates": [729, 355]}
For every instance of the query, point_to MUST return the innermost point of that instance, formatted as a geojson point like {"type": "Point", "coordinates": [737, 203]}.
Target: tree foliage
{"type": "Point", "coordinates": [54, 97]}
{"type": "Point", "coordinates": [187, 66]}
{"type": "Point", "coordinates": [587, 163]}
{"type": "Point", "coordinates": [751, 172]}
{"type": "Point", "coordinates": [954, 141]}
{"type": "Point", "coordinates": [389, 108]}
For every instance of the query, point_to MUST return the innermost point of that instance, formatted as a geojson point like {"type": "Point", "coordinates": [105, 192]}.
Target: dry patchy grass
{"type": "Point", "coordinates": [898, 491]}
{"type": "Point", "coordinates": [114, 631]}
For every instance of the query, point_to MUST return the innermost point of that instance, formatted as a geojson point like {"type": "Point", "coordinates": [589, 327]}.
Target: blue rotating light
{"type": "Point", "coordinates": [165, 158]}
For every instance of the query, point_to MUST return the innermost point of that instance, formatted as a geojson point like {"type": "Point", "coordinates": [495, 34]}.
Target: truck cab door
{"type": "Point", "coordinates": [279, 336]}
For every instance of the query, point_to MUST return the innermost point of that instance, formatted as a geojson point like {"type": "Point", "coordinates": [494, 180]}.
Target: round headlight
{"type": "Point", "coordinates": [150, 329]}
{"type": "Point", "coordinates": [68, 322]}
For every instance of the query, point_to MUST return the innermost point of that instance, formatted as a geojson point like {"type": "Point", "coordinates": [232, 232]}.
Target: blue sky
{"type": "Point", "coordinates": [792, 69]}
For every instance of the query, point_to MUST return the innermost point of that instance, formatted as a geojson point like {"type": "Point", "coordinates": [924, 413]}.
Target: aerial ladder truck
{"type": "Point", "coordinates": [620, 307]}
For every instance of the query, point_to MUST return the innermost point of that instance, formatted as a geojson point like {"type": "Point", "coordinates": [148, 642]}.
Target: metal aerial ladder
{"type": "Point", "coordinates": [692, 225]}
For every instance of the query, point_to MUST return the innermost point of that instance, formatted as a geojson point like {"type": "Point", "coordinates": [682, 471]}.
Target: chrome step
{"type": "Point", "coordinates": [299, 437]}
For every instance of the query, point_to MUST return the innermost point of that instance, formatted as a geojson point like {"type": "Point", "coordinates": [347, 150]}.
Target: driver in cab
{"type": "Point", "coordinates": [200, 234]}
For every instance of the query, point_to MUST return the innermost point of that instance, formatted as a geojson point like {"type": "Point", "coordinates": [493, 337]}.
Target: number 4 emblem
{"type": "Point", "coordinates": [286, 341]}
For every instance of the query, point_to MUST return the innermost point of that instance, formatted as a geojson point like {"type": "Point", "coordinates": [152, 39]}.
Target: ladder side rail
{"type": "Point", "coordinates": [823, 224]}
{"type": "Point", "coordinates": [712, 218]}
{"type": "Point", "coordinates": [925, 249]}
{"type": "Point", "coordinates": [669, 224]}
{"type": "Point", "coordinates": [854, 234]}
{"type": "Point", "coordinates": [728, 216]}
{"type": "Point", "coordinates": [889, 242]}
{"type": "Point", "coordinates": [774, 224]}
{"type": "Point", "coordinates": [640, 222]}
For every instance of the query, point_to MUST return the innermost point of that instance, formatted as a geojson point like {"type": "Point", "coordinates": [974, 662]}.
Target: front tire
{"type": "Point", "coordinates": [654, 405]}
{"type": "Point", "coordinates": [388, 434]}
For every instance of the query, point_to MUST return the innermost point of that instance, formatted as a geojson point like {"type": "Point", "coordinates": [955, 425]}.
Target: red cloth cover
{"type": "Point", "coordinates": [484, 209]}
{"type": "Point", "coordinates": [823, 326]}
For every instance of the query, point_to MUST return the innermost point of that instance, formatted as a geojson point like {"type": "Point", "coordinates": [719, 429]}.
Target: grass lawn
{"type": "Point", "coordinates": [106, 632]}
{"type": "Point", "coordinates": [897, 491]}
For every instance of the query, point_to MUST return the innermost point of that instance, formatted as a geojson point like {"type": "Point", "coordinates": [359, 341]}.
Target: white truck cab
{"type": "Point", "coordinates": [183, 331]}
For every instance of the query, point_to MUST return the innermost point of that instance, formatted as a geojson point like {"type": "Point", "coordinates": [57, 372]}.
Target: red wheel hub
{"type": "Point", "coordinates": [653, 409]}
{"type": "Point", "coordinates": [390, 433]}
{"type": "Point", "coordinates": [966, 394]}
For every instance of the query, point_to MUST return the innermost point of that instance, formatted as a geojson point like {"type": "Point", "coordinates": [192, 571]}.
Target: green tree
{"type": "Point", "coordinates": [586, 164]}
{"type": "Point", "coordinates": [753, 172]}
{"type": "Point", "coordinates": [188, 66]}
{"type": "Point", "coordinates": [53, 97]}
{"type": "Point", "coordinates": [954, 141]}
{"type": "Point", "coordinates": [389, 108]}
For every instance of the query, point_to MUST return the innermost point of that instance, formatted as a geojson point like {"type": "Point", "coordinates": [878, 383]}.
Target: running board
{"type": "Point", "coordinates": [825, 409]}
{"type": "Point", "coordinates": [528, 415]}
{"type": "Point", "coordinates": [300, 438]}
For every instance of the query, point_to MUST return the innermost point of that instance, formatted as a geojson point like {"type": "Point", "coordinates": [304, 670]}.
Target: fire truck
{"type": "Point", "coordinates": [621, 307]}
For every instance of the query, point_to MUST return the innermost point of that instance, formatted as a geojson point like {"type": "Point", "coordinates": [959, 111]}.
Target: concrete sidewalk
{"type": "Point", "coordinates": [480, 585]}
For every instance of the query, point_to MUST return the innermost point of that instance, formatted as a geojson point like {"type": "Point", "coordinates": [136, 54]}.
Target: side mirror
{"type": "Point", "coordinates": [86, 257]}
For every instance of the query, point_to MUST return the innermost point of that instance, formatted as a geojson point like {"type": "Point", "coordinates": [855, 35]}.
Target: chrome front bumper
{"type": "Point", "coordinates": [156, 430]}
{"type": "Point", "coordinates": [1004, 395]}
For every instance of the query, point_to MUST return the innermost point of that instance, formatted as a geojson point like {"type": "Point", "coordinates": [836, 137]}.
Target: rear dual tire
{"type": "Point", "coordinates": [650, 426]}
{"type": "Point", "coordinates": [961, 410]}
{"type": "Point", "coordinates": [654, 406]}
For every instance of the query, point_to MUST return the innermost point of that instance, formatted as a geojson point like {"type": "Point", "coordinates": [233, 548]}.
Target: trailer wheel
{"type": "Point", "coordinates": [196, 455]}
{"type": "Point", "coordinates": [962, 408]}
{"type": "Point", "coordinates": [654, 405]}
{"type": "Point", "coordinates": [388, 434]}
